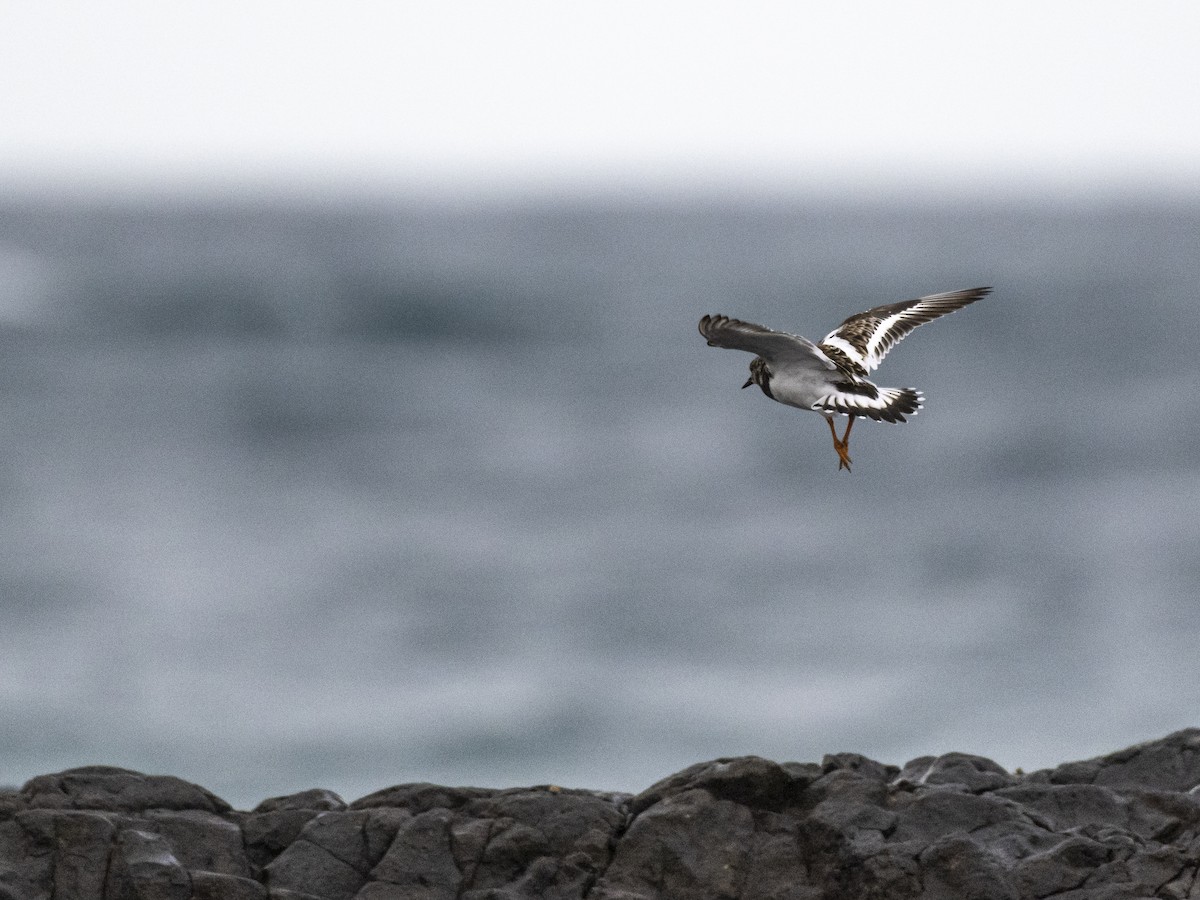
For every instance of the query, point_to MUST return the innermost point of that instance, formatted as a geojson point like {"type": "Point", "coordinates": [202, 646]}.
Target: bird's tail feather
{"type": "Point", "coordinates": [889, 405]}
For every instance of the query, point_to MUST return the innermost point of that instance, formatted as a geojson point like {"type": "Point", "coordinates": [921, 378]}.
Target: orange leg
{"type": "Point", "coordinates": [846, 436]}
{"type": "Point", "coordinates": [841, 446]}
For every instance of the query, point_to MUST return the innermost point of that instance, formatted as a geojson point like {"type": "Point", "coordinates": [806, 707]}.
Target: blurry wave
{"type": "Point", "coordinates": [159, 271]}
{"type": "Point", "coordinates": [350, 496]}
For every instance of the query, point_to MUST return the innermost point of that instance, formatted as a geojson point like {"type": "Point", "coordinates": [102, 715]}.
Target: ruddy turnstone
{"type": "Point", "coordinates": [830, 377]}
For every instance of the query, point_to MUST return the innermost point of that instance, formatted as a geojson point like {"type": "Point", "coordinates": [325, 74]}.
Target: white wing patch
{"type": "Point", "coordinates": [864, 339]}
{"type": "Point", "coordinates": [835, 340]}
{"type": "Point", "coordinates": [878, 346]}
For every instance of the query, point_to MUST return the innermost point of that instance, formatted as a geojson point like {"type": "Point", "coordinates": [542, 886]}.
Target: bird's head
{"type": "Point", "coordinates": [758, 373]}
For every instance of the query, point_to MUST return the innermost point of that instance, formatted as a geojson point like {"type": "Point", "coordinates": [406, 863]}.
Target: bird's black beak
{"type": "Point", "coordinates": [749, 381]}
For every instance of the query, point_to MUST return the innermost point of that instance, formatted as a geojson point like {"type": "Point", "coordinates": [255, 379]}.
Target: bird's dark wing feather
{"type": "Point", "coordinates": [865, 338]}
{"type": "Point", "coordinates": [774, 346]}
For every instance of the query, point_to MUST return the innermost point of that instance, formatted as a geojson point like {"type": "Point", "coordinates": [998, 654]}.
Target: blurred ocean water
{"type": "Point", "coordinates": [300, 494]}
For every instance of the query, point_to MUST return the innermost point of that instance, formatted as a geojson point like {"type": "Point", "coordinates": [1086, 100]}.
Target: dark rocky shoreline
{"type": "Point", "coordinates": [958, 827]}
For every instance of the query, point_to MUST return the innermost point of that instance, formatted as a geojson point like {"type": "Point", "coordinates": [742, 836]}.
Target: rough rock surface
{"type": "Point", "coordinates": [953, 827]}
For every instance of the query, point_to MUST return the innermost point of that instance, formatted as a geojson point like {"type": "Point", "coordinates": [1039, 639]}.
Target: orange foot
{"type": "Point", "coordinates": [842, 446]}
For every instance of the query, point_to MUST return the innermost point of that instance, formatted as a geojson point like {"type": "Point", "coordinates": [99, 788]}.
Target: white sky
{"type": "Point", "coordinates": [448, 90]}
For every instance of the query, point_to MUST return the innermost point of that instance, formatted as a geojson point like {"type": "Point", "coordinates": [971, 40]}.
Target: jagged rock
{"type": "Point", "coordinates": [317, 799]}
{"type": "Point", "coordinates": [202, 841]}
{"type": "Point", "coordinates": [419, 798]}
{"type": "Point", "coordinates": [335, 852]}
{"type": "Point", "coordinates": [749, 780]}
{"type": "Point", "coordinates": [69, 849]}
{"type": "Point", "coordinates": [693, 841]}
{"type": "Point", "coordinates": [219, 886]}
{"type": "Point", "coordinates": [1125, 826]}
{"type": "Point", "coordinates": [1170, 764]}
{"type": "Point", "coordinates": [971, 773]}
{"type": "Point", "coordinates": [111, 789]}
{"type": "Point", "coordinates": [144, 868]}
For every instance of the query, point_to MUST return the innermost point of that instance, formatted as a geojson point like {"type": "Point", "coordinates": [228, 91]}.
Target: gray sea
{"type": "Point", "coordinates": [300, 492]}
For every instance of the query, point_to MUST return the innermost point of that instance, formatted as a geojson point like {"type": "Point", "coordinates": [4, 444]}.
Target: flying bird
{"type": "Point", "coordinates": [831, 377]}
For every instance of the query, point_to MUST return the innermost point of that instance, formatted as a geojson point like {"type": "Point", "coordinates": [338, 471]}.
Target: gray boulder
{"type": "Point", "coordinates": [1125, 826]}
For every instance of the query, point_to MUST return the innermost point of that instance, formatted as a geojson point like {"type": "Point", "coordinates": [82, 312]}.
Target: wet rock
{"type": "Point", "coordinates": [693, 841]}
{"type": "Point", "coordinates": [748, 780]}
{"type": "Point", "coordinates": [959, 770]}
{"type": "Point", "coordinates": [69, 849]}
{"type": "Point", "coordinates": [200, 840]}
{"type": "Point", "coordinates": [1169, 764]}
{"type": "Point", "coordinates": [419, 798]}
{"type": "Point", "coordinates": [112, 789]}
{"type": "Point", "coordinates": [317, 799]}
{"type": "Point", "coordinates": [218, 886]}
{"type": "Point", "coordinates": [421, 858]}
{"type": "Point", "coordinates": [955, 826]}
{"type": "Point", "coordinates": [144, 867]}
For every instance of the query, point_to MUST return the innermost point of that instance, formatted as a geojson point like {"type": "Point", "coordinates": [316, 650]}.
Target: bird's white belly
{"type": "Point", "coordinates": [801, 392]}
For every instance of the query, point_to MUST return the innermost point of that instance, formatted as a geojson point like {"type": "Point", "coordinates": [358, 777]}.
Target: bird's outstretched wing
{"type": "Point", "coordinates": [774, 346]}
{"type": "Point", "coordinates": [864, 339]}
